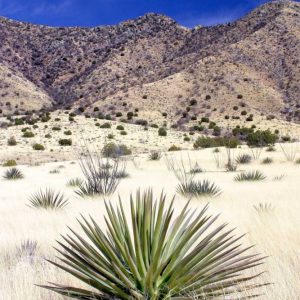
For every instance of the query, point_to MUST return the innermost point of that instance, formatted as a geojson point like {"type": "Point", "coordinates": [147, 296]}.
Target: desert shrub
{"type": "Point", "coordinates": [13, 174]}
{"type": "Point", "coordinates": [38, 147]}
{"type": "Point", "coordinates": [162, 131]}
{"type": "Point", "coordinates": [174, 148]}
{"type": "Point", "coordinates": [267, 161]}
{"type": "Point", "coordinates": [155, 155]}
{"type": "Point", "coordinates": [65, 142]}
{"type": "Point", "coordinates": [271, 149]}
{"type": "Point", "coordinates": [113, 150]}
{"type": "Point", "coordinates": [110, 136]}
{"type": "Point", "coordinates": [204, 120]}
{"type": "Point", "coordinates": [105, 125]}
{"type": "Point", "coordinates": [197, 188]}
{"type": "Point", "coordinates": [208, 142]}
{"type": "Point", "coordinates": [123, 132]}
{"type": "Point", "coordinates": [48, 136]}
{"type": "Point", "coordinates": [120, 127]}
{"type": "Point", "coordinates": [11, 141]}
{"type": "Point", "coordinates": [56, 128]}
{"type": "Point", "coordinates": [196, 169]}
{"type": "Point", "coordinates": [141, 122]}
{"type": "Point", "coordinates": [68, 132]}
{"type": "Point", "coordinates": [193, 102]}
{"type": "Point", "coordinates": [19, 122]}
{"type": "Point", "coordinates": [10, 163]}
{"type": "Point", "coordinates": [117, 263]}
{"type": "Point", "coordinates": [297, 162]}
{"type": "Point", "coordinates": [243, 159]}
{"type": "Point", "coordinates": [48, 199]}
{"type": "Point", "coordinates": [186, 139]}
{"type": "Point", "coordinates": [28, 134]}
{"type": "Point", "coordinates": [261, 138]}
{"type": "Point", "coordinates": [250, 176]}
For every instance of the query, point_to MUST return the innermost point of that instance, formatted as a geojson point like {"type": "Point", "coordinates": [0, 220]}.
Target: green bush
{"type": "Point", "coordinates": [28, 134]}
{"type": "Point", "coordinates": [162, 131]}
{"type": "Point", "coordinates": [123, 132]}
{"type": "Point", "coordinates": [120, 127]}
{"type": "Point", "coordinates": [208, 142]}
{"type": "Point", "coordinates": [105, 125]}
{"type": "Point", "coordinates": [19, 122]}
{"type": "Point", "coordinates": [38, 147]}
{"type": "Point", "coordinates": [65, 142]}
{"type": "Point", "coordinates": [261, 138]}
{"type": "Point", "coordinates": [174, 148]}
{"type": "Point", "coordinates": [112, 150]}
{"type": "Point", "coordinates": [11, 141]}
{"type": "Point", "coordinates": [10, 163]}
{"type": "Point", "coordinates": [68, 132]}
{"type": "Point", "coordinates": [56, 128]}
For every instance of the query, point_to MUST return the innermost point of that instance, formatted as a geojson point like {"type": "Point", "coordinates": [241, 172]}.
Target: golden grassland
{"type": "Point", "coordinates": [275, 234]}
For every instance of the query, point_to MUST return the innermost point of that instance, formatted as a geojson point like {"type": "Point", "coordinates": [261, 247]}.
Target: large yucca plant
{"type": "Point", "coordinates": [250, 176]}
{"type": "Point", "coordinates": [153, 255]}
{"type": "Point", "coordinates": [48, 199]}
{"type": "Point", "coordinates": [198, 188]}
{"type": "Point", "coordinates": [13, 174]}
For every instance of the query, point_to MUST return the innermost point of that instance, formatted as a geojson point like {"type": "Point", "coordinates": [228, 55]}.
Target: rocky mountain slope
{"type": "Point", "coordinates": [153, 65]}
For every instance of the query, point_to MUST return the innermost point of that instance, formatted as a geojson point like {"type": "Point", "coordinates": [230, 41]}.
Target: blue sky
{"type": "Point", "coordinates": [102, 12]}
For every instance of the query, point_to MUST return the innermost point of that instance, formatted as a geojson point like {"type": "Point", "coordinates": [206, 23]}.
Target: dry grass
{"type": "Point", "coordinates": [275, 234]}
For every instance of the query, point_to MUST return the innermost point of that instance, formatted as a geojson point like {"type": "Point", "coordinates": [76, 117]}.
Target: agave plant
{"type": "Point", "coordinates": [243, 159]}
{"type": "Point", "coordinates": [48, 199]}
{"type": "Point", "coordinates": [13, 174]}
{"type": "Point", "coordinates": [197, 188]}
{"type": "Point", "coordinates": [153, 255]}
{"type": "Point", "coordinates": [250, 176]}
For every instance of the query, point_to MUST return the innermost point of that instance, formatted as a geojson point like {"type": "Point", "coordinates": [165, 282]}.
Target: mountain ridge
{"type": "Point", "coordinates": [107, 66]}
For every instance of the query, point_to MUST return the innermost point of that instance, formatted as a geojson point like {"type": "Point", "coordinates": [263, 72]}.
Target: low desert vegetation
{"type": "Point", "coordinates": [10, 163]}
{"type": "Point", "coordinates": [243, 159]}
{"type": "Point", "coordinates": [48, 199]}
{"type": "Point", "coordinates": [13, 174]}
{"type": "Point", "coordinates": [250, 176]}
{"type": "Point", "coordinates": [155, 155]}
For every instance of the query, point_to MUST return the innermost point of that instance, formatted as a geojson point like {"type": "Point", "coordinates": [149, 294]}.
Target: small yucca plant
{"type": "Point", "coordinates": [267, 161]}
{"type": "Point", "coordinates": [48, 199]}
{"type": "Point", "coordinates": [197, 188]}
{"type": "Point", "coordinates": [155, 155]}
{"type": "Point", "coordinates": [75, 182]}
{"type": "Point", "coordinates": [243, 159]}
{"type": "Point", "coordinates": [154, 255]}
{"type": "Point", "coordinates": [250, 176]}
{"type": "Point", "coordinates": [13, 174]}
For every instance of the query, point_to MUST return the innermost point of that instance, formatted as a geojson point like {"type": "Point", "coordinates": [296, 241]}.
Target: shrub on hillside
{"type": "Point", "coordinates": [65, 142]}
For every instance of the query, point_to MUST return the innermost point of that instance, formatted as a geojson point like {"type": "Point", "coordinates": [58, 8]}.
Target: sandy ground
{"type": "Point", "coordinates": [84, 130]}
{"type": "Point", "coordinates": [275, 235]}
